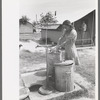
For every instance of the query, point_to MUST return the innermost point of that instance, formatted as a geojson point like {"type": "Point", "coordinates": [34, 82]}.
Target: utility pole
{"type": "Point", "coordinates": [36, 18]}
{"type": "Point", "coordinates": [55, 13]}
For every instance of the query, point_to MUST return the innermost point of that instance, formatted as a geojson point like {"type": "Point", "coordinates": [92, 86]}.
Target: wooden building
{"type": "Point", "coordinates": [26, 31]}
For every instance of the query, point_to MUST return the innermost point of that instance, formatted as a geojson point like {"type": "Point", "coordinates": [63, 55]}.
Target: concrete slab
{"type": "Point", "coordinates": [34, 78]}
{"type": "Point", "coordinates": [38, 78]}
{"type": "Point", "coordinates": [23, 93]}
{"type": "Point", "coordinates": [56, 95]}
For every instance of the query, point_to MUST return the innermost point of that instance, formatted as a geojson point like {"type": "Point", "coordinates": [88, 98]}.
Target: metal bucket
{"type": "Point", "coordinates": [64, 76]}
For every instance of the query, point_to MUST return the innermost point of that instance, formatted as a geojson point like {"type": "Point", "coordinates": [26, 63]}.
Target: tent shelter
{"type": "Point", "coordinates": [88, 37]}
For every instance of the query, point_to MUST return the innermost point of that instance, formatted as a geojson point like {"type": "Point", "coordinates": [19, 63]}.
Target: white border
{"type": "Point", "coordinates": [10, 48]}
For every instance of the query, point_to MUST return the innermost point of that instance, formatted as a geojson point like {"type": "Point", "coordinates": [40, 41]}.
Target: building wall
{"type": "Point", "coordinates": [28, 28]}
{"type": "Point", "coordinates": [26, 32]}
{"type": "Point", "coordinates": [53, 35]}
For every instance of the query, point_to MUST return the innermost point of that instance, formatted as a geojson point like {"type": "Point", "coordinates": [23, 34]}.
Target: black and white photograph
{"type": "Point", "coordinates": [57, 49]}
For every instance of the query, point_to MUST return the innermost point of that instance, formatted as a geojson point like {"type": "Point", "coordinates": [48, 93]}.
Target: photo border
{"type": "Point", "coordinates": [98, 25]}
{"type": "Point", "coordinates": [98, 49]}
{"type": "Point", "coordinates": [0, 49]}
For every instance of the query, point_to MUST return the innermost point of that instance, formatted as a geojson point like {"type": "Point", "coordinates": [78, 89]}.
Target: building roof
{"type": "Point", "coordinates": [74, 16]}
{"type": "Point", "coordinates": [51, 26]}
{"type": "Point", "coordinates": [30, 23]}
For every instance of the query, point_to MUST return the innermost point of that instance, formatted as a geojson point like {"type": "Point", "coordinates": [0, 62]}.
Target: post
{"type": "Point", "coordinates": [36, 18]}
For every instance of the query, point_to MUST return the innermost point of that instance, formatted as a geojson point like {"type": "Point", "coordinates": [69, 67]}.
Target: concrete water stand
{"type": "Point", "coordinates": [55, 95]}
{"type": "Point", "coordinates": [34, 81]}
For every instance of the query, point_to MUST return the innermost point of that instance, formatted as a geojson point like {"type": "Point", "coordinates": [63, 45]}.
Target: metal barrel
{"type": "Point", "coordinates": [64, 76]}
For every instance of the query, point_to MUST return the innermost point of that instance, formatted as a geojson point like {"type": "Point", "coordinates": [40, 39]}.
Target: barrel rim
{"type": "Point", "coordinates": [65, 63]}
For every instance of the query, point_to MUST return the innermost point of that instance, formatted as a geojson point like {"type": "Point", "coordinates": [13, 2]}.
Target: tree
{"type": "Point", "coordinates": [48, 18]}
{"type": "Point", "coordinates": [23, 20]}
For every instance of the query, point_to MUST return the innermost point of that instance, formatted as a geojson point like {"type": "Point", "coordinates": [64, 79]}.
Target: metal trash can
{"type": "Point", "coordinates": [64, 76]}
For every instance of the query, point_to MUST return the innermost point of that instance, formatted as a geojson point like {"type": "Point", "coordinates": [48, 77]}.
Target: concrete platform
{"type": "Point", "coordinates": [34, 80]}
{"type": "Point", "coordinates": [56, 95]}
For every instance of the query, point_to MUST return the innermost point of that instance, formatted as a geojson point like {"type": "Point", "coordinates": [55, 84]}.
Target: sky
{"type": "Point", "coordinates": [66, 9]}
